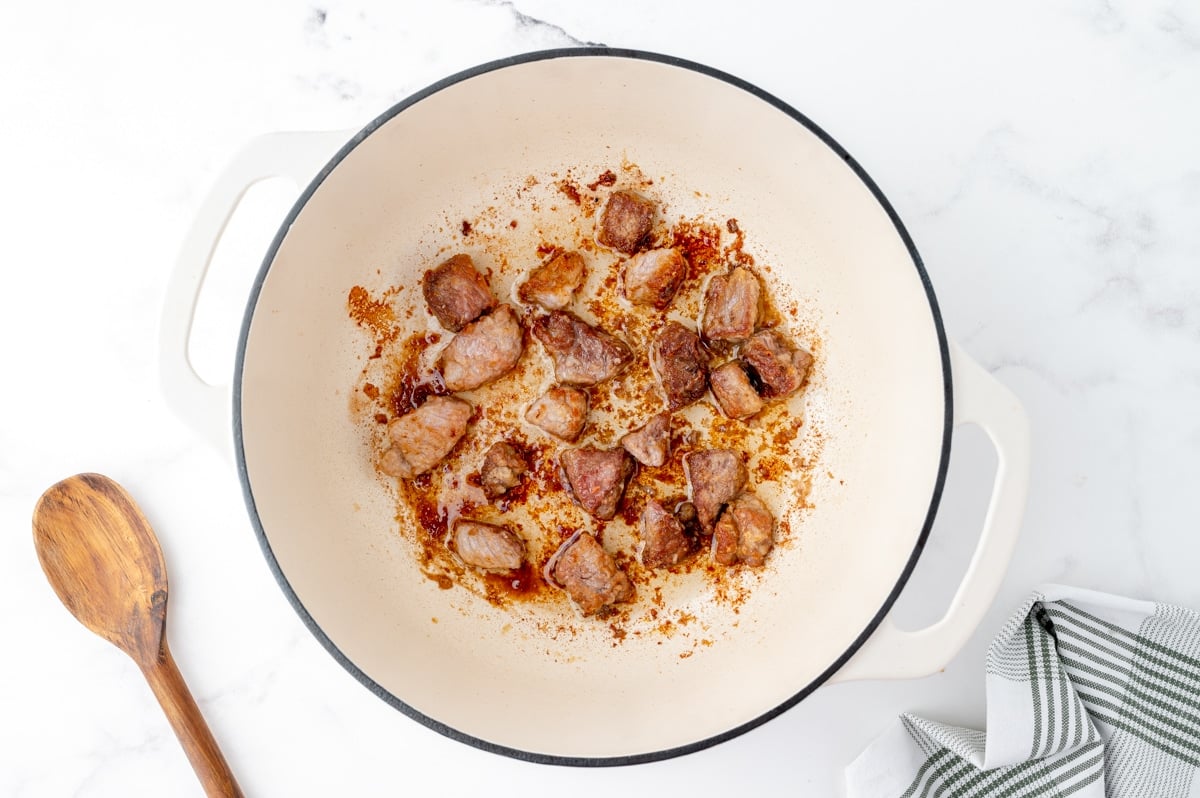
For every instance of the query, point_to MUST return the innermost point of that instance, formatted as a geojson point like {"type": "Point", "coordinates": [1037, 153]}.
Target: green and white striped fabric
{"type": "Point", "coordinates": [1088, 695]}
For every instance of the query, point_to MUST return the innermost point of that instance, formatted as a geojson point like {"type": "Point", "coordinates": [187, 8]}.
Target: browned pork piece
{"type": "Point", "coordinates": [583, 355]}
{"type": "Point", "coordinates": [626, 220]}
{"type": "Point", "coordinates": [503, 467]}
{"type": "Point", "coordinates": [653, 277]}
{"type": "Point", "coordinates": [744, 532]}
{"type": "Point", "coordinates": [457, 293]}
{"type": "Point", "coordinates": [715, 476]}
{"type": "Point", "coordinates": [487, 546]}
{"type": "Point", "coordinates": [597, 478]}
{"type": "Point", "coordinates": [663, 542]}
{"type": "Point", "coordinates": [651, 444]}
{"type": "Point", "coordinates": [483, 351]}
{"type": "Point", "coordinates": [422, 438]}
{"type": "Point", "coordinates": [553, 284]}
{"type": "Point", "coordinates": [680, 364]}
{"type": "Point", "coordinates": [732, 305]}
{"type": "Point", "coordinates": [589, 574]}
{"type": "Point", "coordinates": [560, 411]}
{"type": "Point", "coordinates": [780, 366]}
{"type": "Point", "coordinates": [733, 390]}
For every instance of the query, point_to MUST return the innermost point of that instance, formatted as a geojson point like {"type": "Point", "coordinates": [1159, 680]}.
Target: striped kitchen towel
{"type": "Point", "coordinates": [1088, 695]}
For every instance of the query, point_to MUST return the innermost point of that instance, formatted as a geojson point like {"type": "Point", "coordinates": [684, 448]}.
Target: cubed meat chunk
{"type": "Point", "coordinates": [715, 477]}
{"type": "Point", "coordinates": [732, 305]}
{"type": "Point", "coordinates": [553, 284]}
{"type": "Point", "coordinates": [626, 220]}
{"type": "Point", "coordinates": [680, 364]}
{"type": "Point", "coordinates": [487, 546]}
{"type": "Point", "coordinates": [744, 533]}
{"type": "Point", "coordinates": [650, 445]}
{"type": "Point", "coordinates": [484, 351]}
{"type": "Point", "coordinates": [589, 574]}
{"type": "Point", "coordinates": [597, 478]}
{"type": "Point", "coordinates": [457, 293]}
{"type": "Point", "coordinates": [780, 366]}
{"type": "Point", "coordinates": [422, 438]}
{"type": "Point", "coordinates": [663, 540]}
{"type": "Point", "coordinates": [560, 411]}
{"type": "Point", "coordinates": [502, 470]}
{"type": "Point", "coordinates": [734, 393]}
{"type": "Point", "coordinates": [653, 277]}
{"type": "Point", "coordinates": [583, 355]}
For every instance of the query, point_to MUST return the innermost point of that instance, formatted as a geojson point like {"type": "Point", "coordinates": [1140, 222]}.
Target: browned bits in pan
{"type": "Point", "coordinates": [372, 314]}
{"type": "Point", "coordinates": [647, 435]}
{"type": "Point", "coordinates": [606, 178]}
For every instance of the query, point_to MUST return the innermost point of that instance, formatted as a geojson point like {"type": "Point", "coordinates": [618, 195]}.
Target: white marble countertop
{"type": "Point", "coordinates": [1044, 157]}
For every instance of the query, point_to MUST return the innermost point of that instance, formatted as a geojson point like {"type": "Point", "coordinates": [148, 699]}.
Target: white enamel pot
{"type": "Point", "coordinates": [897, 389]}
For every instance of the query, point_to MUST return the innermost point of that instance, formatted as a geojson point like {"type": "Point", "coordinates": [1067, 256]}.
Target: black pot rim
{"type": "Point", "coordinates": [395, 701]}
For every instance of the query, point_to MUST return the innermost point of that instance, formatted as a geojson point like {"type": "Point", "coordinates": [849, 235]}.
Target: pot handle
{"type": "Point", "coordinates": [297, 155]}
{"type": "Point", "coordinates": [891, 653]}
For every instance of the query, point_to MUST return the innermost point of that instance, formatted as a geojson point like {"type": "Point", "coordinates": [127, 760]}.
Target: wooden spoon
{"type": "Point", "coordinates": [103, 561]}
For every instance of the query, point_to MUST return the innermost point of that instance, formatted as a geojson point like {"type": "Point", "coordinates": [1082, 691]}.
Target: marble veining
{"type": "Point", "coordinates": [1043, 158]}
{"type": "Point", "coordinates": [524, 20]}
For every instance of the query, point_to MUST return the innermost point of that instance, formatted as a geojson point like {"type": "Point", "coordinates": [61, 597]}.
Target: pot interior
{"type": "Point", "coordinates": [875, 413]}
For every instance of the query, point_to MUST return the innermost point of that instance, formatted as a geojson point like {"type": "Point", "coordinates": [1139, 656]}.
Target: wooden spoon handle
{"type": "Point", "coordinates": [193, 733]}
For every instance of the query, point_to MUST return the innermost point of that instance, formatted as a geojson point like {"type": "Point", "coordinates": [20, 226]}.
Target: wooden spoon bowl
{"type": "Point", "coordinates": [105, 564]}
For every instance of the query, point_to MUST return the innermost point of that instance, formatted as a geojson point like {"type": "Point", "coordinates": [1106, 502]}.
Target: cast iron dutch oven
{"type": "Point", "coordinates": [892, 390]}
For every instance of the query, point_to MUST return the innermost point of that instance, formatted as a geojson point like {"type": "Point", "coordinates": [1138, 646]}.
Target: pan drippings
{"type": "Point", "coordinates": [622, 350]}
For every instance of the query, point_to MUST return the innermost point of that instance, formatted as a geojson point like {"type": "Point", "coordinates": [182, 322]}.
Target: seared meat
{"type": "Point", "coordinates": [625, 221]}
{"type": "Point", "coordinates": [653, 277]}
{"type": "Point", "coordinates": [488, 547]}
{"type": "Point", "coordinates": [583, 355]}
{"type": "Point", "coordinates": [680, 364]}
{"type": "Point", "coordinates": [589, 574]}
{"type": "Point", "coordinates": [744, 532]}
{"type": "Point", "coordinates": [715, 476]}
{"type": "Point", "coordinates": [457, 293]}
{"type": "Point", "coordinates": [484, 350]}
{"type": "Point", "coordinates": [686, 513]}
{"type": "Point", "coordinates": [553, 284]}
{"type": "Point", "coordinates": [663, 542]}
{"type": "Point", "coordinates": [597, 477]}
{"type": "Point", "coordinates": [560, 411]}
{"type": "Point", "coordinates": [725, 540]}
{"type": "Point", "coordinates": [733, 391]}
{"type": "Point", "coordinates": [780, 366]}
{"type": "Point", "coordinates": [732, 305]}
{"type": "Point", "coordinates": [421, 439]}
{"type": "Point", "coordinates": [651, 444]}
{"type": "Point", "coordinates": [503, 467]}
